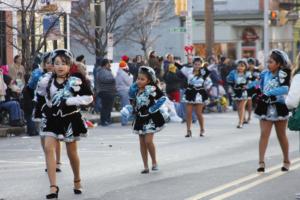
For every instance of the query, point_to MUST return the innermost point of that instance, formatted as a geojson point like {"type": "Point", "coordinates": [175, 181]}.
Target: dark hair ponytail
{"type": "Point", "coordinates": [53, 76]}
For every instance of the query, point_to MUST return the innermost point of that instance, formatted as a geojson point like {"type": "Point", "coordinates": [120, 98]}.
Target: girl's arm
{"type": "Point", "coordinates": [208, 83]}
{"type": "Point", "coordinates": [157, 104]}
{"type": "Point", "coordinates": [83, 96]}
{"type": "Point", "coordinates": [79, 100]}
{"type": "Point", "coordinates": [42, 84]}
{"type": "Point", "coordinates": [132, 91]}
{"type": "Point", "coordinates": [160, 100]}
{"type": "Point", "coordinates": [231, 77]}
{"type": "Point", "coordinates": [293, 97]}
{"type": "Point", "coordinates": [284, 79]}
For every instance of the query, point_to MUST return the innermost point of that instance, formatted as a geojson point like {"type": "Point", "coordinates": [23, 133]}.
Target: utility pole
{"type": "Point", "coordinates": [189, 24]}
{"type": "Point", "coordinates": [209, 27]}
{"type": "Point", "coordinates": [266, 31]}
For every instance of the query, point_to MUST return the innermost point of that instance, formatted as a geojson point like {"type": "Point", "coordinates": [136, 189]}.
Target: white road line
{"type": "Point", "coordinates": [235, 182]}
{"type": "Point", "coordinates": [253, 184]}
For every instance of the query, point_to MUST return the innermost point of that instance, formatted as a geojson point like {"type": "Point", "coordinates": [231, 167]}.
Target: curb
{"type": "Point", "coordinates": [7, 131]}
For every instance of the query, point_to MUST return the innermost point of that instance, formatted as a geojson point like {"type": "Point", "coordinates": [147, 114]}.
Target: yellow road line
{"type": "Point", "coordinates": [253, 184]}
{"type": "Point", "coordinates": [236, 182]}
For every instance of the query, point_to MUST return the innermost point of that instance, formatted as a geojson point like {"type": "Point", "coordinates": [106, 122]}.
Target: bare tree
{"type": "Point", "coordinates": [84, 32]}
{"type": "Point", "coordinates": [31, 43]}
{"type": "Point", "coordinates": [144, 20]}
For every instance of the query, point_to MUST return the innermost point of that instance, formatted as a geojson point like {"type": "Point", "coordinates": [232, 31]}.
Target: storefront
{"type": "Point", "coordinates": [242, 39]}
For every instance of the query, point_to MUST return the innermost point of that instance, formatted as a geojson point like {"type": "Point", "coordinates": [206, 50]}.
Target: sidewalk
{"type": "Point", "coordinates": [6, 131]}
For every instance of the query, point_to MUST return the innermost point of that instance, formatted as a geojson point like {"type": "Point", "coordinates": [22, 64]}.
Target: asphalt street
{"type": "Point", "coordinates": [222, 165]}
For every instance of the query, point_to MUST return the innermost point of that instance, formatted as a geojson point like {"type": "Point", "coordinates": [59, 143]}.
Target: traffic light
{"type": "Point", "coordinates": [273, 18]}
{"type": "Point", "coordinates": [181, 7]}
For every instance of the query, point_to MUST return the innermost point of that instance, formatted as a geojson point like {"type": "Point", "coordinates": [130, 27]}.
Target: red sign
{"type": "Point", "coordinates": [189, 50]}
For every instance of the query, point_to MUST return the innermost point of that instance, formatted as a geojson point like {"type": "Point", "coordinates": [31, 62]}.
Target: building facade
{"type": "Point", "coordinates": [239, 29]}
{"type": "Point", "coordinates": [10, 37]}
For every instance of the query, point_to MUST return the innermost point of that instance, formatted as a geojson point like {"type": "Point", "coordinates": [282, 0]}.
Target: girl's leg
{"type": "Point", "coordinates": [280, 127]}
{"type": "Point", "coordinates": [43, 143]}
{"type": "Point", "coordinates": [249, 108]}
{"type": "Point", "coordinates": [50, 145]}
{"type": "Point", "coordinates": [265, 128]}
{"type": "Point", "coordinates": [151, 147]}
{"type": "Point", "coordinates": [199, 111]}
{"type": "Point", "coordinates": [237, 103]}
{"type": "Point", "coordinates": [189, 111]}
{"type": "Point", "coordinates": [75, 162]}
{"type": "Point", "coordinates": [241, 108]}
{"type": "Point", "coordinates": [144, 152]}
{"type": "Point", "coordinates": [58, 154]}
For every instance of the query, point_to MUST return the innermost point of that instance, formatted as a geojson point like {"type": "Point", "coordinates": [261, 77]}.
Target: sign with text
{"type": "Point", "coordinates": [177, 30]}
{"type": "Point", "coordinates": [51, 27]}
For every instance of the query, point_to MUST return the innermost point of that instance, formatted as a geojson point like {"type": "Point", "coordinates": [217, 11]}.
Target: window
{"type": "Point", "coordinates": [2, 38]}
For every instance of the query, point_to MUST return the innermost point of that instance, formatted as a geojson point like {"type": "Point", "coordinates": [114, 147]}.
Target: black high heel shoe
{"type": "Point", "coordinates": [188, 134]}
{"type": "Point", "coordinates": [261, 167]}
{"type": "Point", "coordinates": [286, 166]}
{"type": "Point", "coordinates": [145, 171]}
{"type": "Point", "coordinates": [77, 190]}
{"type": "Point", "coordinates": [53, 195]}
{"type": "Point", "coordinates": [202, 133]}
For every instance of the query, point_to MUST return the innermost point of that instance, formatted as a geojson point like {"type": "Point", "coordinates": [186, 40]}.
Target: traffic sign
{"type": "Point", "coordinates": [177, 30]}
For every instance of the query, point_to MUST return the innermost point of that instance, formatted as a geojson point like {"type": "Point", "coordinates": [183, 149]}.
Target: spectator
{"type": "Point", "coordinates": [123, 82]}
{"type": "Point", "coordinates": [130, 64]}
{"type": "Point", "coordinates": [97, 103]}
{"type": "Point", "coordinates": [80, 59]}
{"type": "Point", "coordinates": [17, 72]}
{"type": "Point", "coordinates": [106, 90]}
{"type": "Point", "coordinates": [173, 82]}
{"type": "Point", "coordinates": [138, 63]}
{"type": "Point", "coordinates": [9, 103]}
{"type": "Point", "coordinates": [168, 61]}
{"type": "Point", "coordinates": [154, 63]}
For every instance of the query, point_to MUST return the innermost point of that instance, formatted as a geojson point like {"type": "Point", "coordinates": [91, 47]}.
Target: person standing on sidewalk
{"type": "Point", "coordinates": [106, 90]}
{"type": "Point", "coordinates": [271, 108]}
{"type": "Point", "coordinates": [17, 72]}
{"type": "Point", "coordinates": [147, 99]}
{"type": "Point", "coordinates": [61, 118]}
{"type": "Point", "coordinates": [123, 82]}
{"type": "Point", "coordinates": [196, 95]}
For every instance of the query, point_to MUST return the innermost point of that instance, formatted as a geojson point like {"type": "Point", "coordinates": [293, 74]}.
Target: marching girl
{"type": "Point", "coordinates": [196, 95]}
{"type": "Point", "coordinates": [61, 118]}
{"type": "Point", "coordinates": [253, 74]}
{"type": "Point", "coordinates": [238, 79]}
{"type": "Point", "coordinates": [271, 108]}
{"type": "Point", "coordinates": [47, 66]}
{"type": "Point", "coordinates": [146, 100]}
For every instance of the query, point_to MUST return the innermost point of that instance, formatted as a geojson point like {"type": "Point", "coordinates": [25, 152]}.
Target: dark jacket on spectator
{"type": "Point", "coordinates": [105, 82]}
{"type": "Point", "coordinates": [173, 81]}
